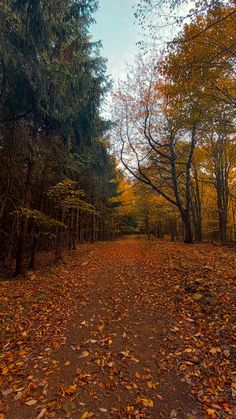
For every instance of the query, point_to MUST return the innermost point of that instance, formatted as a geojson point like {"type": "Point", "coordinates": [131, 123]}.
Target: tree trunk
{"type": "Point", "coordinates": [196, 206]}
{"type": "Point", "coordinates": [93, 238]}
{"type": "Point", "coordinates": [234, 225]}
{"type": "Point", "coordinates": [71, 229]}
{"type": "Point", "coordinates": [221, 169]}
{"type": "Point", "coordinates": [59, 239]}
{"type": "Point", "coordinates": [33, 253]}
{"type": "Point", "coordinates": [37, 230]}
{"type": "Point", "coordinates": [147, 226]}
{"type": "Point", "coordinates": [222, 203]}
{"type": "Point", "coordinates": [186, 218]}
{"type": "Point", "coordinates": [21, 242]}
{"type": "Point", "coordinates": [186, 213]}
{"type": "Point", "coordinates": [197, 223]}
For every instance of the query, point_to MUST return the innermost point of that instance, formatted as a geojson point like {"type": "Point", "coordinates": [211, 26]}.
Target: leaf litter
{"type": "Point", "coordinates": [118, 336]}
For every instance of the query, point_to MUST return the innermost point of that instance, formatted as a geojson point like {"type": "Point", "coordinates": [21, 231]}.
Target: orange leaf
{"type": "Point", "coordinates": [71, 389]}
{"type": "Point", "coordinates": [211, 413]}
{"type": "Point", "coordinates": [87, 415]}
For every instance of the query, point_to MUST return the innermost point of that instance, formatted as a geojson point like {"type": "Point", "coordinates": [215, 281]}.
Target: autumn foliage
{"type": "Point", "coordinates": [175, 119]}
{"type": "Point", "coordinates": [104, 311]}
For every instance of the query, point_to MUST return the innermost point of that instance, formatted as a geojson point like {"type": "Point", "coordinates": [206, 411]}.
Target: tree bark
{"type": "Point", "coordinates": [186, 218]}
{"type": "Point", "coordinates": [21, 242]}
{"type": "Point", "coordinates": [36, 232]}
{"type": "Point", "coordinates": [222, 204]}
{"type": "Point", "coordinates": [197, 207]}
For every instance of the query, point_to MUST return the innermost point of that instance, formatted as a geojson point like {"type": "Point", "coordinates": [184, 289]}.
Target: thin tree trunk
{"type": "Point", "coordinates": [21, 242]}
{"type": "Point", "coordinates": [58, 249]}
{"type": "Point", "coordinates": [147, 226]}
{"type": "Point", "coordinates": [222, 204]}
{"type": "Point", "coordinates": [234, 226]}
{"type": "Point", "coordinates": [36, 233]}
{"type": "Point", "coordinates": [93, 227]}
{"type": "Point", "coordinates": [197, 208]}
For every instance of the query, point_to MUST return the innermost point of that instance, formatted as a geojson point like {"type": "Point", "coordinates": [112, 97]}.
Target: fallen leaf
{"type": "Point", "coordinates": [147, 402]}
{"type": "Point", "coordinates": [31, 402]}
{"type": "Point", "coordinates": [211, 413]}
{"type": "Point", "coordinates": [84, 354]}
{"type": "Point", "coordinates": [215, 350]}
{"type": "Point", "coordinates": [71, 389]}
{"type": "Point", "coordinates": [18, 396]}
{"type": "Point", "coordinates": [87, 415]}
{"type": "Point", "coordinates": [41, 414]}
{"type": "Point", "coordinates": [101, 328]}
{"type": "Point", "coordinates": [7, 392]}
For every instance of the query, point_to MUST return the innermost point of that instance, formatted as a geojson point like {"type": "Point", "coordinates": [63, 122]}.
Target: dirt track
{"type": "Point", "coordinates": [126, 329]}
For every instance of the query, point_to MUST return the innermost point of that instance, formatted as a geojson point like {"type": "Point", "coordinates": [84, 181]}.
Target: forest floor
{"type": "Point", "coordinates": [128, 329]}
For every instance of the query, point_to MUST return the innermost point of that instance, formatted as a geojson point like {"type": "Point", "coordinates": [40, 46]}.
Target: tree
{"type": "Point", "coordinates": [156, 17]}
{"type": "Point", "coordinates": [219, 165]}
{"type": "Point", "coordinates": [201, 76]}
{"type": "Point", "coordinates": [167, 105]}
{"type": "Point", "coordinates": [125, 203]}
{"type": "Point", "coordinates": [52, 84]}
{"type": "Point", "coordinates": [155, 148]}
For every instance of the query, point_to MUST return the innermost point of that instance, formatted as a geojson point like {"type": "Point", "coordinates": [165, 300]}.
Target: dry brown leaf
{"type": "Point", "coordinates": [7, 392]}
{"type": "Point", "coordinates": [42, 413]}
{"type": "Point", "coordinates": [84, 354]}
{"type": "Point", "coordinates": [31, 402]}
{"type": "Point", "coordinates": [146, 402]}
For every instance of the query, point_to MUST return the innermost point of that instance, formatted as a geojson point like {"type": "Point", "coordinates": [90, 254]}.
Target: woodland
{"type": "Point", "coordinates": [117, 234]}
{"type": "Point", "coordinates": [173, 126]}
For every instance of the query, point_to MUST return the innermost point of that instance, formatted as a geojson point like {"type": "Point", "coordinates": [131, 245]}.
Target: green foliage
{"type": "Point", "coordinates": [40, 218]}
{"type": "Point", "coordinates": [66, 195]}
{"type": "Point", "coordinates": [55, 163]}
{"type": "Point", "coordinates": [50, 68]}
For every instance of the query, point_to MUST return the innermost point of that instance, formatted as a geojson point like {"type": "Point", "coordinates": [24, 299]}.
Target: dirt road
{"type": "Point", "coordinates": [128, 329]}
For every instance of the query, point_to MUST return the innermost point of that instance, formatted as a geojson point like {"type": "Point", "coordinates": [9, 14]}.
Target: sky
{"type": "Point", "coordinates": [119, 33]}
{"type": "Point", "coordinates": [116, 29]}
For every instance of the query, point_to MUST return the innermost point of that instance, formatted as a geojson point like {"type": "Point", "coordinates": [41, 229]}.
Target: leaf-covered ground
{"type": "Point", "coordinates": [130, 329]}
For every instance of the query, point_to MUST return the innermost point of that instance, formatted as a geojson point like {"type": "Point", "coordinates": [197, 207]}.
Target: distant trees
{"type": "Point", "coordinates": [56, 171]}
{"type": "Point", "coordinates": [172, 111]}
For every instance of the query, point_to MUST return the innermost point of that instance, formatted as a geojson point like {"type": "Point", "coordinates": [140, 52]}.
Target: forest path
{"type": "Point", "coordinates": [128, 329]}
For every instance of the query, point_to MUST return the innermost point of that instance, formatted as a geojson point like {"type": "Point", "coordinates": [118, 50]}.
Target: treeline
{"type": "Point", "coordinates": [152, 215]}
{"type": "Point", "coordinates": [56, 177]}
{"type": "Point", "coordinates": [176, 128]}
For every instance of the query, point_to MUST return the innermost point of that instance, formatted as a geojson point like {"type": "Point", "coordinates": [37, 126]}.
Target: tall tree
{"type": "Point", "coordinates": [156, 148]}
{"type": "Point", "coordinates": [52, 83]}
